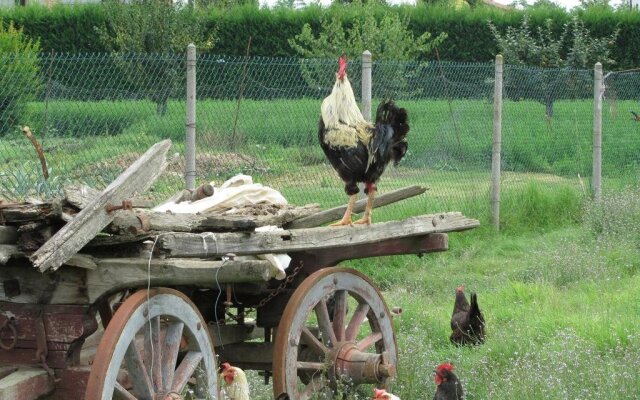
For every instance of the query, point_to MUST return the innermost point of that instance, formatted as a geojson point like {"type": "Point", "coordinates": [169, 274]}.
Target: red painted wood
{"type": "Point", "coordinates": [63, 324]}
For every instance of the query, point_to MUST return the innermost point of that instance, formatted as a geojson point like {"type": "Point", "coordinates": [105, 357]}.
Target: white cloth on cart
{"type": "Point", "coordinates": [237, 192]}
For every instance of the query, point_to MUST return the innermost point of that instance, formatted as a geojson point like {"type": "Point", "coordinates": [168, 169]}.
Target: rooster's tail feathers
{"type": "Point", "coordinates": [390, 114]}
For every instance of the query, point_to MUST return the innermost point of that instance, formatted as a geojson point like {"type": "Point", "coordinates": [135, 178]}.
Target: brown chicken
{"type": "Point", "coordinates": [467, 321]}
{"type": "Point", "coordinates": [448, 386]}
{"type": "Point", "coordinates": [636, 117]}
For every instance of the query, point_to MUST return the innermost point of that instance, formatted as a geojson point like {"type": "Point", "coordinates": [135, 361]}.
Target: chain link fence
{"type": "Point", "coordinates": [95, 114]}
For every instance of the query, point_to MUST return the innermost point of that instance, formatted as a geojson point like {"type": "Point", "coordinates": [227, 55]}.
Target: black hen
{"type": "Point", "coordinates": [448, 386]}
{"type": "Point", "coordinates": [467, 321]}
{"type": "Point", "coordinates": [358, 150]}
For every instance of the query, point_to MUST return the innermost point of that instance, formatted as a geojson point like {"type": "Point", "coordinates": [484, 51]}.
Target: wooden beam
{"type": "Point", "coordinates": [93, 218]}
{"type": "Point", "coordinates": [119, 273]}
{"type": "Point", "coordinates": [217, 244]}
{"type": "Point", "coordinates": [26, 383]}
{"type": "Point", "coordinates": [25, 212]}
{"type": "Point", "coordinates": [134, 222]}
{"type": "Point", "coordinates": [334, 214]}
{"type": "Point", "coordinates": [81, 195]}
{"type": "Point", "coordinates": [8, 251]}
{"type": "Point", "coordinates": [8, 234]}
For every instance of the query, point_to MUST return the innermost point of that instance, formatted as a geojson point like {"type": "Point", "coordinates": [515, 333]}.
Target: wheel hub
{"type": "Point", "coordinates": [360, 367]}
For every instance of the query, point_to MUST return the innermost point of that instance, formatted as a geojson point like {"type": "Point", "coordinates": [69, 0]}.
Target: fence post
{"type": "Point", "coordinates": [366, 85]}
{"type": "Point", "coordinates": [497, 143]}
{"type": "Point", "coordinates": [190, 148]}
{"type": "Point", "coordinates": [598, 92]}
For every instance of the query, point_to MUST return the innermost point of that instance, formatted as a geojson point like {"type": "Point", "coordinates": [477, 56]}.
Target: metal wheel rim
{"type": "Point", "coordinates": [301, 305]}
{"type": "Point", "coordinates": [130, 318]}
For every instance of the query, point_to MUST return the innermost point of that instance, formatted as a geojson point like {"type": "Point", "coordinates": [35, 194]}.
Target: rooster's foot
{"type": "Point", "coordinates": [363, 221]}
{"type": "Point", "coordinates": [342, 222]}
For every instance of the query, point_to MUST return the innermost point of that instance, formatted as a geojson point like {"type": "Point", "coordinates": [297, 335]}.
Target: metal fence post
{"type": "Point", "coordinates": [497, 143]}
{"type": "Point", "coordinates": [366, 85]}
{"type": "Point", "coordinates": [598, 92]}
{"type": "Point", "coordinates": [190, 149]}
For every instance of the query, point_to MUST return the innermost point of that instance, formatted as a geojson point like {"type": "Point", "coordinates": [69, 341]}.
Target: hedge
{"type": "Point", "coordinates": [71, 28]}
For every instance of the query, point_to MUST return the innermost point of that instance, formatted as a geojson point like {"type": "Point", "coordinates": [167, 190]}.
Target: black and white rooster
{"type": "Point", "coordinates": [359, 150]}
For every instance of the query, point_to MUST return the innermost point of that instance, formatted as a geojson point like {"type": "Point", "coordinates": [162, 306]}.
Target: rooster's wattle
{"type": "Point", "coordinates": [359, 150]}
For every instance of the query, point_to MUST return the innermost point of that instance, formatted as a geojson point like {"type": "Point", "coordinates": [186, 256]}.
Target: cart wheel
{"type": "Point", "coordinates": [321, 348]}
{"type": "Point", "coordinates": [161, 344]}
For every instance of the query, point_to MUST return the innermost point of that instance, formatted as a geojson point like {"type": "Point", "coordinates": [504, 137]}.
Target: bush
{"type": "Point", "coordinates": [19, 80]}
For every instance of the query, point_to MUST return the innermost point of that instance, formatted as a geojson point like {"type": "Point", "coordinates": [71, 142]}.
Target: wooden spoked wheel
{"type": "Point", "coordinates": [335, 333]}
{"type": "Point", "coordinates": [156, 343]}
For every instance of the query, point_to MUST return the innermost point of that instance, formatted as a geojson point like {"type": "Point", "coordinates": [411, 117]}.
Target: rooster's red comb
{"type": "Point", "coordinates": [225, 366]}
{"type": "Point", "coordinates": [445, 367]}
{"type": "Point", "coordinates": [460, 289]}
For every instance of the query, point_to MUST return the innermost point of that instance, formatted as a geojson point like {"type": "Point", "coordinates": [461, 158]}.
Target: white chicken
{"type": "Point", "coordinates": [234, 383]}
{"type": "Point", "coordinates": [381, 394]}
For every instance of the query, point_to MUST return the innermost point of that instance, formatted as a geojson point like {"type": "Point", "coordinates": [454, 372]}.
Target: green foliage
{"type": "Point", "coordinates": [19, 81]}
{"type": "Point", "coordinates": [155, 27]}
{"type": "Point", "coordinates": [387, 37]}
{"type": "Point", "coordinates": [71, 29]}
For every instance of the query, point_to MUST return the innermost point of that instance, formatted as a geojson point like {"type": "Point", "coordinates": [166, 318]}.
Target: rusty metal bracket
{"type": "Point", "coordinates": [126, 205]}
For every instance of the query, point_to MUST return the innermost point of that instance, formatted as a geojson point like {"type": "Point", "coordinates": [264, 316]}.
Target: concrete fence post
{"type": "Point", "coordinates": [366, 85]}
{"type": "Point", "coordinates": [497, 143]}
{"type": "Point", "coordinates": [190, 148]}
{"type": "Point", "coordinates": [598, 94]}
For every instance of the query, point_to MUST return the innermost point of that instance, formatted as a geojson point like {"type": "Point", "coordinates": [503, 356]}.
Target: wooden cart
{"type": "Point", "coordinates": [149, 313]}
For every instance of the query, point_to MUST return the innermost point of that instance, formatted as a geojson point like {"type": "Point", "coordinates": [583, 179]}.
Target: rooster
{"type": "Point", "coordinates": [381, 394]}
{"type": "Point", "coordinates": [467, 322]}
{"type": "Point", "coordinates": [636, 117]}
{"type": "Point", "coordinates": [448, 387]}
{"type": "Point", "coordinates": [235, 385]}
{"type": "Point", "coordinates": [358, 150]}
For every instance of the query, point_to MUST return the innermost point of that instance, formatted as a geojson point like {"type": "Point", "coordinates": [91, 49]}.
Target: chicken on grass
{"type": "Point", "coordinates": [234, 383]}
{"type": "Point", "coordinates": [359, 150]}
{"type": "Point", "coordinates": [467, 321]}
{"type": "Point", "coordinates": [448, 386]}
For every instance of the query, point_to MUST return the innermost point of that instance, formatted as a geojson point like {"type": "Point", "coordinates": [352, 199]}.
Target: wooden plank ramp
{"type": "Point", "coordinates": [208, 245]}
{"type": "Point", "coordinates": [94, 217]}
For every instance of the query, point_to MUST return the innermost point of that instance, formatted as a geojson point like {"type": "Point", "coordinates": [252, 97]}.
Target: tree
{"type": "Point", "coordinates": [571, 48]}
{"type": "Point", "coordinates": [387, 38]}
{"type": "Point", "coordinates": [145, 35]}
{"type": "Point", "coordinates": [19, 81]}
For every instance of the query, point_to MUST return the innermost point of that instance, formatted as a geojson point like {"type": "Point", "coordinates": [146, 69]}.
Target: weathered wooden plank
{"type": "Point", "coordinates": [26, 383]}
{"type": "Point", "coordinates": [82, 261]}
{"type": "Point", "coordinates": [65, 286]}
{"type": "Point", "coordinates": [133, 222]}
{"type": "Point", "coordinates": [216, 244]}
{"type": "Point", "coordinates": [120, 273]}
{"type": "Point", "coordinates": [81, 195]}
{"type": "Point", "coordinates": [8, 234]}
{"type": "Point", "coordinates": [93, 218]}
{"type": "Point", "coordinates": [24, 212]}
{"type": "Point", "coordinates": [8, 251]}
{"type": "Point", "coordinates": [227, 334]}
{"type": "Point", "coordinates": [336, 213]}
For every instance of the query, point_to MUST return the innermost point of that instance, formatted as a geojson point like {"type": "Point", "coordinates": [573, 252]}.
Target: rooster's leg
{"type": "Point", "coordinates": [371, 194]}
{"type": "Point", "coordinates": [346, 218]}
